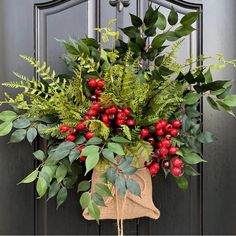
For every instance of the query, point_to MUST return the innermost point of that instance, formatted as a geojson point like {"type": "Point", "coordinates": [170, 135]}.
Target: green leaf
{"type": "Point", "coordinates": [189, 170]}
{"type": "Point", "coordinates": [125, 163]}
{"type": "Point", "coordinates": [103, 190]}
{"type": "Point", "coordinates": [206, 137]}
{"type": "Point", "coordinates": [120, 139]}
{"type": "Point", "coordinates": [192, 98]}
{"type": "Point", "coordinates": [212, 103]}
{"type": "Point", "coordinates": [158, 41]}
{"type": "Point", "coordinates": [39, 155]}
{"type": "Point", "coordinates": [8, 115]}
{"type": "Point", "coordinates": [150, 31]}
{"type": "Point", "coordinates": [159, 60]}
{"type": "Point", "coordinates": [41, 187]}
{"type": "Point", "coordinates": [80, 140]}
{"type": "Point", "coordinates": [89, 150]}
{"type": "Point", "coordinates": [230, 100]}
{"type": "Point", "coordinates": [83, 47]}
{"type": "Point", "coordinates": [61, 173]}
{"type": "Point", "coordinates": [208, 76]}
{"type": "Point", "coordinates": [120, 185]}
{"type": "Point", "coordinates": [17, 136]}
{"type": "Point", "coordinates": [130, 31]}
{"type": "Point", "coordinates": [192, 112]}
{"type": "Point", "coordinates": [192, 158]}
{"type": "Point", "coordinates": [94, 141]}
{"type": "Point", "coordinates": [69, 181]}
{"type": "Point", "coordinates": [53, 189]}
{"type": "Point", "coordinates": [136, 21]}
{"type": "Point", "coordinates": [111, 175]}
{"type": "Point", "coordinates": [94, 211]}
{"type": "Point", "coordinates": [116, 148]}
{"type": "Point", "coordinates": [182, 183]}
{"type": "Point", "coordinates": [190, 18]}
{"type": "Point", "coordinates": [50, 170]}
{"type": "Point", "coordinates": [83, 186]}
{"type": "Point", "coordinates": [129, 171]}
{"type": "Point", "coordinates": [61, 196]}
{"type": "Point", "coordinates": [91, 161]}
{"type": "Point", "coordinates": [31, 134]}
{"type": "Point", "coordinates": [84, 200]}
{"type": "Point", "coordinates": [62, 151]}
{"type": "Point", "coordinates": [225, 107]}
{"type": "Point", "coordinates": [21, 123]}
{"type": "Point", "coordinates": [161, 21]}
{"type": "Point", "coordinates": [74, 154]}
{"type": "Point", "coordinates": [165, 71]}
{"type": "Point", "coordinates": [30, 178]}
{"type": "Point", "coordinates": [126, 131]}
{"type": "Point", "coordinates": [133, 187]}
{"type": "Point", "coordinates": [98, 199]}
{"type": "Point", "coordinates": [173, 17]}
{"type": "Point", "coordinates": [5, 128]}
{"type": "Point", "coordinates": [148, 16]}
{"type": "Point", "coordinates": [171, 36]}
{"type": "Point", "coordinates": [183, 30]}
{"type": "Point", "coordinates": [109, 155]}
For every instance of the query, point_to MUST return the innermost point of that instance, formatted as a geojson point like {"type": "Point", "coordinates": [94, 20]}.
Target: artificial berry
{"type": "Point", "coordinates": [92, 112]}
{"type": "Point", "coordinates": [168, 127]}
{"type": "Point", "coordinates": [130, 122]}
{"type": "Point", "coordinates": [173, 150]}
{"type": "Point", "coordinates": [88, 135]}
{"type": "Point", "coordinates": [174, 132]}
{"type": "Point", "coordinates": [176, 123]}
{"type": "Point", "coordinates": [144, 132]}
{"type": "Point", "coordinates": [161, 124]}
{"type": "Point", "coordinates": [166, 164]}
{"type": "Point", "coordinates": [92, 83]}
{"type": "Point", "coordinates": [166, 142]}
{"type": "Point", "coordinates": [156, 165]}
{"type": "Point", "coordinates": [111, 117]}
{"type": "Point", "coordinates": [163, 151]}
{"type": "Point", "coordinates": [121, 115]}
{"type": "Point", "coordinates": [108, 125]}
{"type": "Point", "coordinates": [120, 122]}
{"type": "Point", "coordinates": [102, 110]}
{"type": "Point", "coordinates": [73, 130]}
{"type": "Point", "coordinates": [80, 148]}
{"type": "Point", "coordinates": [86, 117]}
{"type": "Point", "coordinates": [127, 111]}
{"type": "Point", "coordinates": [105, 118]}
{"type": "Point", "coordinates": [168, 136]}
{"type": "Point", "coordinates": [176, 171]}
{"type": "Point", "coordinates": [82, 158]}
{"type": "Point", "coordinates": [108, 111]}
{"type": "Point", "coordinates": [64, 128]}
{"type": "Point", "coordinates": [81, 126]}
{"type": "Point", "coordinates": [93, 98]}
{"type": "Point", "coordinates": [151, 140]}
{"type": "Point", "coordinates": [119, 110]}
{"type": "Point", "coordinates": [92, 117]}
{"type": "Point", "coordinates": [159, 145]}
{"type": "Point", "coordinates": [98, 92]}
{"type": "Point", "coordinates": [158, 126]}
{"type": "Point", "coordinates": [152, 170]}
{"type": "Point", "coordinates": [112, 109]}
{"type": "Point", "coordinates": [177, 162]}
{"type": "Point", "coordinates": [159, 132]}
{"type": "Point", "coordinates": [95, 106]}
{"type": "Point", "coordinates": [70, 137]}
{"type": "Point", "coordinates": [100, 83]}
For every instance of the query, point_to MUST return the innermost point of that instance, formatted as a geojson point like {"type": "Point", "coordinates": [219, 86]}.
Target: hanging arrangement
{"type": "Point", "coordinates": [122, 114]}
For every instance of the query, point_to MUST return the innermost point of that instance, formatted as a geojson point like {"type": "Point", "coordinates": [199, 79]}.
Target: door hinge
{"type": "Point", "coordinates": [119, 4]}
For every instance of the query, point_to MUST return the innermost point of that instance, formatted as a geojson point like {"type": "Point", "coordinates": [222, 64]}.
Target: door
{"type": "Point", "coordinates": [31, 27]}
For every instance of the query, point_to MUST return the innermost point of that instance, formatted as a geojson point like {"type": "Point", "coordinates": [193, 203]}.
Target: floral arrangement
{"type": "Point", "coordinates": [117, 110]}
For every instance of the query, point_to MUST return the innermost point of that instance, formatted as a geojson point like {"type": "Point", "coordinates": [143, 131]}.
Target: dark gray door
{"type": "Point", "coordinates": [208, 207]}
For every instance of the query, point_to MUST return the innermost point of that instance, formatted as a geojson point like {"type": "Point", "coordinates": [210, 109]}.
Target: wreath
{"type": "Point", "coordinates": [123, 113]}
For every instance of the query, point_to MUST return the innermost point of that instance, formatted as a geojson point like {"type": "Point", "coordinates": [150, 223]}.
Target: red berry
{"type": "Point", "coordinates": [119, 110]}
{"type": "Point", "coordinates": [88, 135]}
{"type": "Point", "coordinates": [151, 140]}
{"type": "Point", "coordinates": [152, 170]}
{"type": "Point", "coordinates": [92, 112]}
{"type": "Point", "coordinates": [111, 117]}
{"type": "Point", "coordinates": [176, 171]}
{"type": "Point", "coordinates": [120, 122]}
{"type": "Point", "coordinates": [98, 92]}
{"type": "Point", "coordinates": [144, 132]}
{"type": "Point", "coordinates": [168, 127]}
{"type": "Point", "coordinates": [166, 164]}
{"type": "Point", "coordinates": [112, 109]}
{"type": "Point", "coordinates": [166, 142]}
{"type": "Point", "coordinates": [81, 126]}
{"type": "Point", "coordinates": [92, 117]}
{"type": "Point", "coordinates": [158, 126]}
{"type": "Point", "coordinates": [121, 115]}
{"type": "Point", "coordinates": [100, 83]}
{"type": "Point", "coordinates": [163, 151]}
{"type": "Point", "coordinates": [105, 118]}
{"type": "Point", "coordinates": [176, 123]}
{"type": "Point", "coordinates": [107, 111]}
{"type": "Point", "coordinates": [102, 110]}
{"type": "Point", "coordinates": [130, 122]}
{"type": "Point", "coordinates": [127, 111]}
{"type": "Point", "coordinates": [64, 128]}
{"type": "Point", "coordinates": [156, 165]}
{"type": "Point", "coordinates": [86, 117]}
{"type": "Point", "coordinates": [174, 132]}
{"type": "Point", "coordinates": [173, 150]}
{"type": "Point", "coordinates": [92, 83]}
{"type": "Point", "coordinates": [82, 158]}
{"type": "Point", "coordinates": [159, 132]}
{"type": "Point", "coordinates": [93, 98]}
{"type": "Point", "coordinates": [168, 136]}
{"type": "Point", "coordinates": [95, 106]}
{"type": "Point", "coordinates": [80, 148]}
{"type": "Point", "coordinates": [161, 124]}
{"type": "Point", "coordinates": [70, 137]}
{"type": "Point", "coordinates": [108, 125]}
{"type": "Point", "coordinates": [159, 145]}
{"type": "Point", "coordinates": [177, 162]}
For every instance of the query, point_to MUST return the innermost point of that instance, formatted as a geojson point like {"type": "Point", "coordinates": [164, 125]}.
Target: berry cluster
{"type": "Point", "coordinates": [96, 87]}
{"type": "Point", "coordinates": [164, 152]}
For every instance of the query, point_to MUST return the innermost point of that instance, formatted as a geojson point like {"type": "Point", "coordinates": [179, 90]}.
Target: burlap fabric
{"type": "Point", "coordinates": [131, 206]}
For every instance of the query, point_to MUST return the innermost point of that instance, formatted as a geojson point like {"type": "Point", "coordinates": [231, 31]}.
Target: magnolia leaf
{"type": "Point", "coordinates": [103, 190]}
{"type": "Point", "coordinates": [61, 173]}
{"type": "Point", "coordinates": [158, 41]}
{"type": "Point", "coordinates": [98, 199]}
{"type": "Point", "coordinates": [61, 196]}
{"type": "Point", "coordinates": [120, 185]}
{"type": "Point", "coordinates": [192, 98]}
{"type": "Point", "coordinates": [182, 182]}
{"type": "Point", "coordinates": [225, 107]}
{"type": "Point", "coordinates": [161, 21]}
{"type": "Point", "coordinates": [173, 17]}
{"type": "Point", "coordinates": [53, 189]}
{"type": "Point", "coordinates": [94, 211]}
{"type": "Point", "coordinates": [148, 16]}
{"type": "Point", "coordinates": [184, 30]}
{"type": "Point", "coordinates": [30, 178]}
{"type": "Point", "coordinates": [133, 187]}
{"type": "Point", "coordinates": [212, 103]}
{"type": "Point", "coordinates": [39, 155]}
{"type": "Point", "coordinates": [159, 60]}
{"type": "Point", "coordinates": [136, 21]}
{"type": "Point", "coordinates": [189, 170]}
{"type": "Point", "coordinates": [116, 148]}
{"type": "Point", "coordinates": [189, 18]}
{"type": "Point", "coordinates": [89, 150]}
{"type": "Point", "coordinates": [91, 161]}
{"type": "Point", "coordinates": [17, 136]}
{"type": "Point", "coordinates": [31, 134]}
{"type": "Point", "coordinates": [206, 137]}
{"type": "Point", "coordinates": [41, 186]}
{"type": "Point", "coordinates": [21, 123]}
{"type": "Point", "coordinates": [5, 128]}
{"type": "Point", "coordinates": [8, 115]}
{"type": "Point", "coordinates": [84, 200]}
{"type": "Point", "coordinates": [83, 186]}
{"type": "Point", "coordinates": [192, 158]}
{"type": "Point", "coordinates": [172, 36]}
{"type": "Point", "coordinates": [230, 100]}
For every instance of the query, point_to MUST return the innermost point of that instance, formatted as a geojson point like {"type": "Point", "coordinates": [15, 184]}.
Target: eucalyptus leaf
{"type": "Point", "coordinates": [40, 155]}
{"type": "Point", "coordinates": [31, 134]}
{"type": "Point", "coordinates": [133, 187]}
{"type": "Point", "coordinates": [206, 137]}
{"type": "Point", "coordinates": [61, 196]}
{"type": "Point", "coordinates": [182, 182]}
{"type": "Point", "coordinates": [120, 185]}
{"type": "Point", "coordinates": [61, 173]}
{"type": "Point", "coordinates": [192, 98]}
{"type": "Point", "coordinates": [84, 200]}
{"type": "Point", "coordinates": [53, 189]}
{"type": "Point", "coordinates": [21, 123]}
{"type": "Point", "coordinates": [192, 158]}
{"type": "Point", "coordinates": [103, 190]}
{"type": "Point", "coordinates": [30, 178]}
{"type": "Point", "coordinates": [8, 116]}
{"type": "Point", "coordinates": [41, 187]}
{"type": "Point", "coordinates": [83, 186]}
{"type": "Point", "coordinates": [98, 199]}
{"type": "Point", "coordinates": [94, 211]}
{"type": "Point", "coordinates": [5, 128]}
{"type": "Point", "coordinates": [17, 136]}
